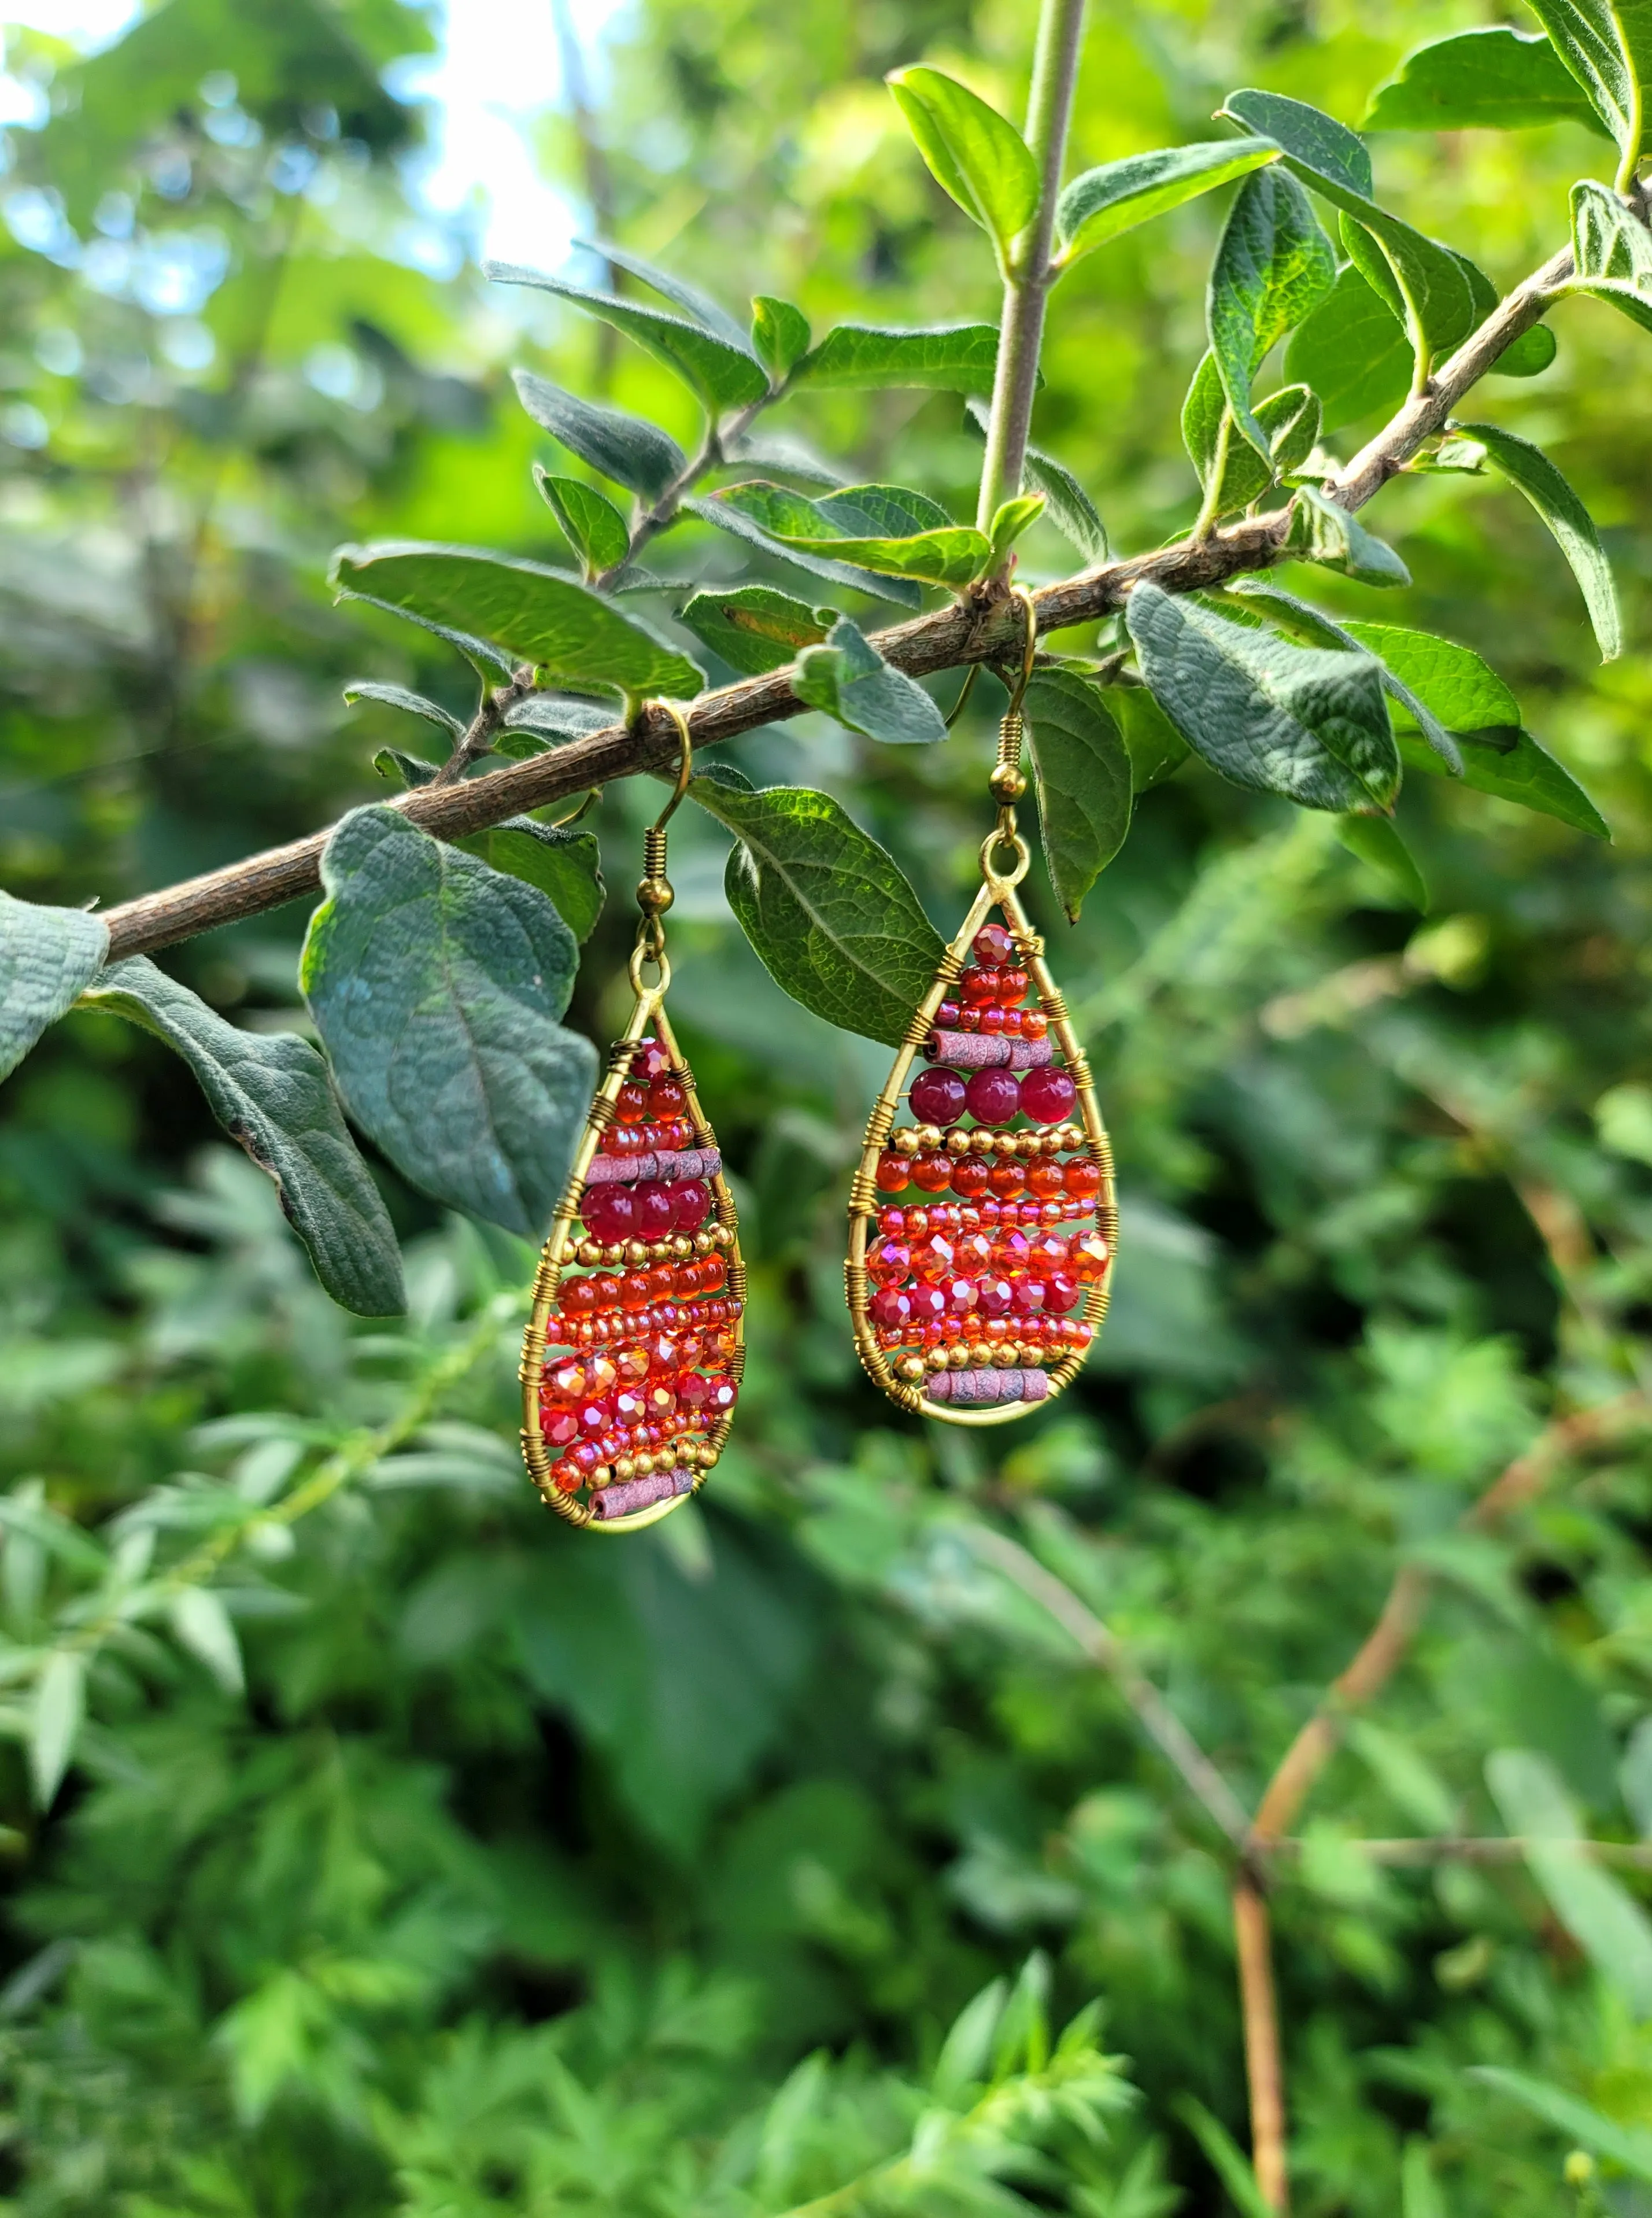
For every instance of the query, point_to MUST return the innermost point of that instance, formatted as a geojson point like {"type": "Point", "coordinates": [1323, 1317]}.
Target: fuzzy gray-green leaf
{"type": "Point", "coordinates": [755, 628]}
{"type": "Point", "coordinates": [633, 453]}
{"type": "Point", "coordinates": [272, 1093]}
{"type": "Point", "coordinates": [828, 911]}
{"type": "Point", "coordinates": [46, 957]}
{"type": "Point", "coordinates": [1082, 768]}
{"type": "Point", "coordinates": [1273, 269]}
{"type": "Point", "coordinates": [848, 678]}
{"type": "Point", "coordinates": [1529, 469]}
{"type": "Point", "coordinates": [437, 984]}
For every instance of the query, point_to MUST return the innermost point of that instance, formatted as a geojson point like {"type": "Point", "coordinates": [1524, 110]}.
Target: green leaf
{"type": "Point", "coordinates": [54, 1724]}
{"type": "Point", "coordinates": [633, 452]}
{"type": "Point", "coordinates": [721, 511]}
{"type": "Point", "coordinates": [47, 956]}
{"type": "Point", "coordinates": [1103, 203]}
{"type": "Point", "coordinates": [1273, 267]}
{"type": "Point", "coordinates": [1605, 1920]}
{"type": "Point", "coordinates": [412, 771]}
{"type": "Point", "coordinates": [1309, 623]}
{"type": "Point", "coordinates": [437, 984]}
{"type": "Point", "coordinates": [755, 628]}
{"type": "Point", "coordinates": [780, 334]}
{"type": "Point", "coordinates": [1374, 840]}
{"type": "Point", "coordinates": [698, 306]}
{"type": "Point", "coordinates": [1580, 2122]}
{"type": "Point", "coordinates": [1529, 356]}
{"type": "Point", "coordinates": [202, 1625]}
{"type": "Point", "coordinates": [722, 374]}
{"type": "Point", "coordinates": [1455, 683]}
{"type": "Point", "coordinates": [1353, 353]}
{"type": "Point", "coordinates": [1530, 470]}
{"type": "Point", "coordinates": [1331, 162]}
{"type": "Point", "coordinates": [1157, 750]}
{"type": "Point", "coordinates": [1289, 420]}
{"type": "Point", "coordinates": [592, 524]}
{"type": "Point", "coordinates": [1301, 721]}
{"type": "Point", "coordinates": [829, 913]}
{"type": "Point", "coordinates": [397, 697]}
{"type": "Point", "coordinates": [565, 866]}
{"type": "Point", "coordinates": [1607, 47]}
{"type": "Point", "coordinates": [1070, 507]}
{"type": "Point", "coordinates": [1511, 764]}
{"type": "Point", "coordinates": [1323, 531]}
{"type": "Point", "coordinates": [1082, 770]}
{"type": "Point", "coordinates": [540, 719]}
{"type": "Point", "coordinates": [928, 549]}
{"type": "Point", "coordinates": [1494, 79]}
{"type": "Point", "coordinates": [951, 357]}
{"type": "Point", "coordinates": [571, 633]}
{"type": "Point", "coordinates": [1010, 519]}
{"type": "Point", "coordinates": [1225, 2158]}
{"type": "Point", "coordinates": [972, 152]}
{"type": "Point", "coordinates": [272, 1093]}
{"type": "Point", "coordinates": [1612, 251]}
{"type": "Point", "coordinates": [848, 678]}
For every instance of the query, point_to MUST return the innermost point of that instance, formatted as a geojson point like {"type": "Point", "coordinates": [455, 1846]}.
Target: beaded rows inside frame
{"type": "Point", "coordinates": [991, 1214]}
{"type": "Point", "coordinates": [641, 1357]}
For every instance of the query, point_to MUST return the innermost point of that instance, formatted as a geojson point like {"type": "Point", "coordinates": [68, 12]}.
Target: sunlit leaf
{"type": "Point", "coordinates": [1082, 770]}
{"type": "Point", "coordinates": [633, 452]}
{"type": "Point", "coordinates": [1491, 78]}
{"type": "Point", "coordinates": [1530, 470]}
{"type": "Point", "coordinates": [1106, 202]}
{"type": "Point", "coordinates": [1273, 267]}
{"type": "Point", "coordinates": [955, 358]}
{"type": "Point", "coordinates": [972, 152]}
{"type": "Point", "coordinates": [755, 628]}
{"type": "Point", "coordinates": [723, 374]}
{"type": "Point", "coordinates": [593, 527]}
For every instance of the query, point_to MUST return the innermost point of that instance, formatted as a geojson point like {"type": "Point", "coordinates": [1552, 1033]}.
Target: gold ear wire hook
{"type": "Point", "coordinates": [654, 893]}
{"type": "Point", "coordinates": [1008, 782]}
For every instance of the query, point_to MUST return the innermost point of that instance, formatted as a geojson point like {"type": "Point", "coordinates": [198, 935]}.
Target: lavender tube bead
{"type": "Point", "coordinates": [621, 1170]}
{"type": "Point", "coordinates": [972, 1388]}
{"type": "Point", "coordinates": [639, 1493]}
{"type": "Point", "coordinates": [986, 1051]}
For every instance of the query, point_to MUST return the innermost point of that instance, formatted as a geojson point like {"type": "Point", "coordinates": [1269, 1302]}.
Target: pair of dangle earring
{"type": "Point", "coordinates": [981, 1232]}
{"type": "Point", "coordinates": [634, 1353]}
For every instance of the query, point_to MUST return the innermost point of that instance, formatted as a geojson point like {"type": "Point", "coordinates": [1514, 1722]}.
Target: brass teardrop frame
{"type": "Point", "coordinates": [998, 890]}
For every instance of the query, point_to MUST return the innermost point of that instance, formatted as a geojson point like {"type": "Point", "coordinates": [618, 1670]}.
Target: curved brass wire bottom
{"type": "Point", "coordinates": [557, 1249]}
{"type": "Point", "coordinates": [997, 891]}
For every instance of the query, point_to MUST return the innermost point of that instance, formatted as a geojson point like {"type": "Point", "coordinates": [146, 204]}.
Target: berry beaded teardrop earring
{"type": "Point", "coordinates": [964, 1308]}
{"type": "Point", "coordinates": [632, 1359]}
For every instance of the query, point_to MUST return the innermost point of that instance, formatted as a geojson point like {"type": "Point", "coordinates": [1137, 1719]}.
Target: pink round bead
{"type": "Point", "coordinates": [935, 1097]}
{"type": "Point", "coordinates": [995, 1296]}
{"type": "Point", "coordinates": [993, 1096]}
{"type": "Point", "coordinates": [1048, 1094]}
{"type": "Point", "coordinates": [609, 1213]}
{"type": "Point", "coordinates": [690, 1205]}
{"type": "Point", "coordinates": [656, 1212]}
{"type": "Point", "coordinates": [890, 1307]}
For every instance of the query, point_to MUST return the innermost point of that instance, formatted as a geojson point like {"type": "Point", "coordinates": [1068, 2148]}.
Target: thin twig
{"type": "Point", "coordinates": [1259, 2012]}
{"type": "Point", "coordinates": [964, 632]}
{"type": "Point", "coordinates": [1158, 1720]}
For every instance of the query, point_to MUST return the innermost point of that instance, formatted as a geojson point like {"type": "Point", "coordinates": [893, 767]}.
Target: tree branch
{"type": "Point", "coordinates": [974, 630]}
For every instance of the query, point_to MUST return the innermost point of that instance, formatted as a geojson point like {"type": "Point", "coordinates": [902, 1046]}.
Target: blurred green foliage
{"type": "Point", "coordinates": [428, 1858]}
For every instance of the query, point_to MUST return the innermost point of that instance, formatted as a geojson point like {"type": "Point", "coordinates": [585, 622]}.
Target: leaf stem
{"type": "Point", "coordinates": [1028, 280]}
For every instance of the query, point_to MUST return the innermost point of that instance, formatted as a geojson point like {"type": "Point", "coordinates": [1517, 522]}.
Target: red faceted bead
{"type": "Point", "coordinates": [889, 1261]}
{"type": "Point", "coordinates": [995, 1296]}
{"type": "Point", "coordinates": [630, 1405]}
{"type": "Point", "coordinates": [890, 1307]}
{"type": "Point", "coordinates": [1011, 988]}
{"type": "Point", "coordinates": [631, 1102]}
{"type": "Point", "coordinates": [1081, 1179]}
{"type": "Point", "coordinates": [631, 1365]}
{"type": "Point", "coordinates": [664, 1354]}
{"type": "Point", "coordinates": [935, 1097]}
{"type": "Point", "coordinates": [667, 1096]}
{"type": "Point", "coordinates": [723, 1396]}
{"type": "Point", "coordinates": [594, 1416]}
{"type": "Point", "coordinates": [974, 1253]}
{"type": "Point", "coordinates": [601, 1376]}
{"type": "Point", "coordinates": [1046, 1253]}
{"type": "Point", "coordinates": [993, 944]}
{"type": "Point", "coordinates": [993, 1096]}
{"type": "Point", "coordinates": [576, 1297]}
{"type": "Point", "coordinates": [558, 1425]}
{"type": "Point", "coordinates": [931, 1257]}
{"type": "Point", "coordinates": [1029, 1294]}
{"type": "Point", "coordinates": [650, 1062]}
{"type": "Point", "coordinates": [1088, 1258]}
{"type": "Point", "coordinates": [932, 1170]}
{"type": "Point", "coordinates": [563, 1382]}
{"type": "Point", "coordinates": [1061, 1292]}
{"type": "Point", "coordinates": [693, 1393]}
{"type": "Point", "coordinates": [661, 1401]}
{"type": "Point", "coordinates": [1047, 1095]}
{"type": "Point", "coordinates": [961, 1295]}
{"type": "Point", "coordinates": [928, 1302]}
{"type": "Point", "coordinates": [977, 987]}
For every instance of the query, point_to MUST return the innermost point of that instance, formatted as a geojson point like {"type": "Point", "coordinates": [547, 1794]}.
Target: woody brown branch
{"type": "Point", "coordinates": [967, 631]}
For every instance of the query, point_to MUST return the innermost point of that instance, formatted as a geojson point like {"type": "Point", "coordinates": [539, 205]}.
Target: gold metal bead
{"type": "Point", "coordinates": [614, 1252]}
{"type": "Point", "coordinates": [721, 1237]}
{"type": "Point", "coordinates": [625, 1467]}
{"type": "Point", "coordinates": [682, 1247]}
{"type": "Point", "coordinates": [1006, 785]}
{"type": "Point", "coordinates": [636, 1251]}
{"type": "Point", "coordinates": [708, 1457]}
{"type": "Point", "coordinates": [905, 1141]}
{"type": "Point", "coordinates": [602, 1476]}
{"type": "Point", "coordinates": [929, 1135]}
{"type": "Point", "coordinates": [979, 1353]}
{"type": "Point", "coordinates": [957, 1357]}
{"type": "Point", "coordinates": [958, 1141]}
{"type": "Point", "coordinates": [654, 896]}
{"type": "Point", "coordinates": [1006, 1144]}
{"type": "Point", "coordinates": [936, 1360]}
{"type": "Point", "coordinates": [703, 1243]}
{"type": "Point", "coordinates": [980, 1141]}
{"type": "Point", "coordinates": [911, 1368]}
{"type": "Point", "coordinates": [589, 1252]}
{"type": "Point", "coordinates": [645, 1464]}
